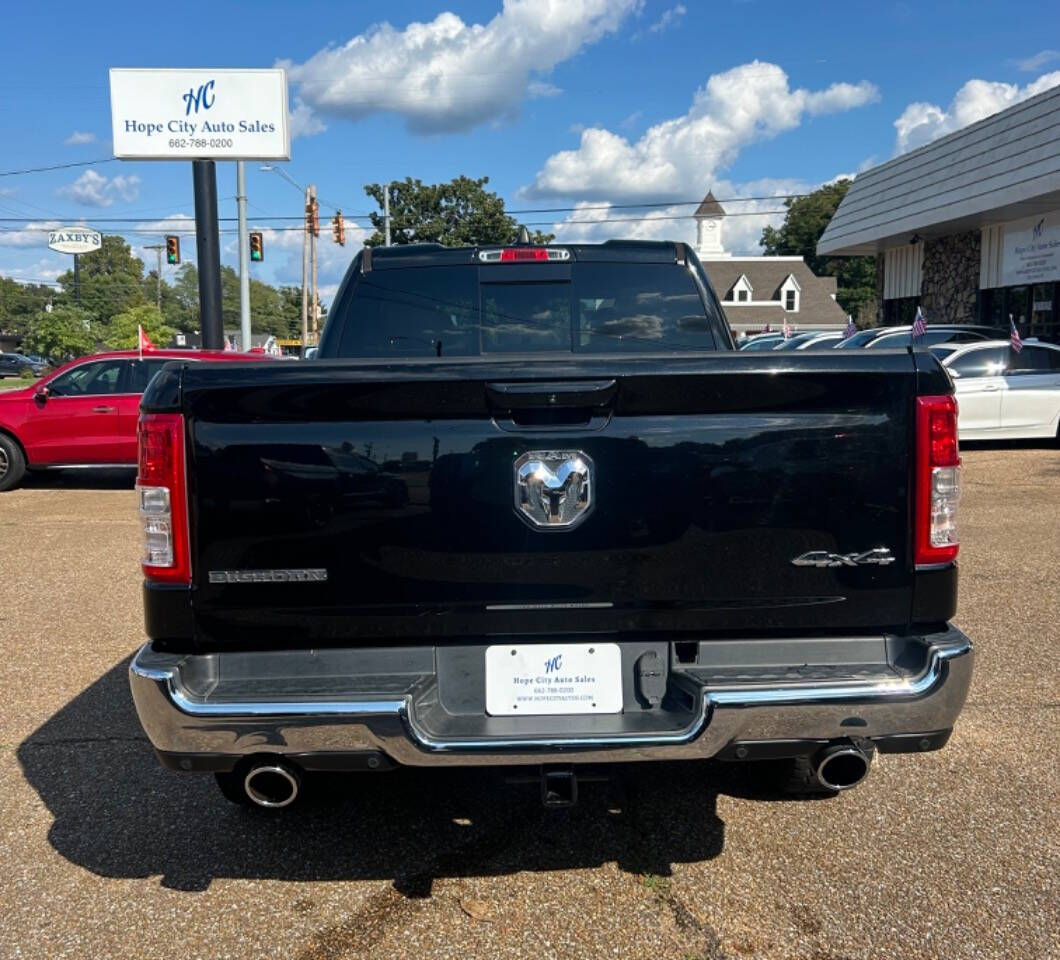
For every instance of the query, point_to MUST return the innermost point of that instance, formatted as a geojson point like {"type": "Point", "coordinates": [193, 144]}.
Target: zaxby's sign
{"type": "Point", "coordinates": [1031, 252]}
{"type": "Point", "coordinates": [199, 114]}
{"type": "Point", "coordinates": [75, 239]}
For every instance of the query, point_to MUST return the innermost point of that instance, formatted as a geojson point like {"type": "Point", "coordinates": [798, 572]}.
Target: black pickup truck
{"type": "Point", "coordinates": [530, 507]}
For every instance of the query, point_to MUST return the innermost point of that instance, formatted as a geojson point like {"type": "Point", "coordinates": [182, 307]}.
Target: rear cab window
{"type": "Point", "coordinates": [470, 310]}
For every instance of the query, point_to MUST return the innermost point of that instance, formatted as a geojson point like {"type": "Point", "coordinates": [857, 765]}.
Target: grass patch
{"type": "Point", "coordinates": [16, 383]}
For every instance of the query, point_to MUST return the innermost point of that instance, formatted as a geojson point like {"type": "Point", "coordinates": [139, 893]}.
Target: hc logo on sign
{"type": "Point", "coordinates": [552, 665]}
{"type": "Point", "coordinates": [203, 97]}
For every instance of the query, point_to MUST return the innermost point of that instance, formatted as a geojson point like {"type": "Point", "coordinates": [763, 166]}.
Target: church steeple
{"type": "Point", "coordinates": [709, 218]}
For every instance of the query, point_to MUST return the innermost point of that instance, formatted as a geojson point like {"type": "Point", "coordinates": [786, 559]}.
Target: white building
{"type": "Point", "coordinates": [762, 292]}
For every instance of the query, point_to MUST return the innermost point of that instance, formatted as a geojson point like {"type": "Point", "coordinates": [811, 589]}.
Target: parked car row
{"type": "Point", "coordinates": [1002, 393]}
{"type": "Point", "coordinates": [83, 414]}
{"type": "Point", "coordinates": [16, 365]}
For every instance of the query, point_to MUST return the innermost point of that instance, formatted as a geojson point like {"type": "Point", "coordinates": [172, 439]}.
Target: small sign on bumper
{"type": "Point", "coordinates": [559, 678]}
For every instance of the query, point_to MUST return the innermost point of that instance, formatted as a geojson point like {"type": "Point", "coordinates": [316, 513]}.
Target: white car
{"type": "Point", "coordinates": [1005, 395]}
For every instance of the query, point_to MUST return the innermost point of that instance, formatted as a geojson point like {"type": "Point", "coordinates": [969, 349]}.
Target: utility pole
{"type": "Point", "coordinates": [313, 251]}
{"type": "Point", "coordinates": [158, 248]}
{"type": "Point", "coordinates": [244, 267]}
{"type": "Point", "coordinates": [386, 215]}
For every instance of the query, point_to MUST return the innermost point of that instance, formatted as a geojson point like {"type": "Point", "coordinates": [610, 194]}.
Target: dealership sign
{"type": "Point", "coordinates": [1031, 252]}
{"type": "Point", "coordinates": [75, 240]}
{"type": "Point", "coordinates": [199, 114]}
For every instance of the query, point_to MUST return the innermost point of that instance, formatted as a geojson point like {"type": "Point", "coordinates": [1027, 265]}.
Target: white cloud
{"type": "Point", "coordinates": [668, 19]}
{"type": "Point", "coordinates": [43, 271]}
{"type": "Point", "coordinates": [305, 123]}
{"type": "Point", "coordinates": [921, 123]}
{"type": "Point", "coordinates": [447, 75]}
{"type": "Point", "coordinates": [592, 222]}
{"type": "Point", "coordinates": [178, 223]}
{"type": "Point", "coordinates": [31, 235]}
{"type": "Point", "coordinates": [92, 189]}
{"type": "Point", "coordinates": [284, 249]}
{"type": "Point", "coordinates": [1039, 60]}
{"type": "Point", "coordinates": [79, 137]}
{"type": "Point", "coordinates": [537, 89]}
{"type": "Point", "coordinates": [681, 156]}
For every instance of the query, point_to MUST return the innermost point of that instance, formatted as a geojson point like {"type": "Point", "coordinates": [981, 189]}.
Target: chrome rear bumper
{"type": "Point", "coordinates": [188, 711]}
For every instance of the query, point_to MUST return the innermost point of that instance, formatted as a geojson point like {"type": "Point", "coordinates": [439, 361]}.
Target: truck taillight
{"type": "Point", "coordinates": [162, 496]}
{"type": "Point", "coordinates": [938, 487]}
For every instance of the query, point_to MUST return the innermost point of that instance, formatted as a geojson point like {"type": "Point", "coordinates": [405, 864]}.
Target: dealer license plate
{"type": "Point", "coordinates": [551, 678]}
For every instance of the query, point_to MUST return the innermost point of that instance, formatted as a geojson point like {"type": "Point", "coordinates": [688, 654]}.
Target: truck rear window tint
{"type": "Point", "coordinates": [604, 308]}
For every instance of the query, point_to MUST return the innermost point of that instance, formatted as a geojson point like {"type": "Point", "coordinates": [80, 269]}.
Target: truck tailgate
{"type": "Point", "coordinates": [333, 501]}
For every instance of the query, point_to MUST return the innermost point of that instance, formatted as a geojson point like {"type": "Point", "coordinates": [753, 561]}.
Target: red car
{"type": "Point", "coordinates": [84, 414]}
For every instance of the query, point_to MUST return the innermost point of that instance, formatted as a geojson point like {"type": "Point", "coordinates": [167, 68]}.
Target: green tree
{"type": "Point", "coordinates": [174, 308]}
{"type": "Point", "coordinates": [186, 294]}
{"type": "Point", "coordinates": [61, 334]}
{"type": "Point", "coordinates": [111, 280]}
{"type": "Point", "coordinates": [20, 303]}
{"type": "Point", "coordinates": [803, 225]}
{"type": "Point", "coordinates": [457, 214]}
{"type": "Point", "coordinates": [121, 332]}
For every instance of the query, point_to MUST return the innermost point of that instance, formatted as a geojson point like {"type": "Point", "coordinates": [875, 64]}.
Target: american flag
{"type": "Point", "coordinates": [1014, 336]}
{"type": "Point", "coordinates": [850, 329]}
{"type": "Point", "coordinates": [787, 331]}
{"type": "Point", "coordinates": [919, 324]}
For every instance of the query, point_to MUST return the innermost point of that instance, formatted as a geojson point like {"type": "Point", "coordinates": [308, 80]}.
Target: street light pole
{"type": "Point", "coordinates": [270, 168]}
{"type": "Point", "coordinates": [244, 266]}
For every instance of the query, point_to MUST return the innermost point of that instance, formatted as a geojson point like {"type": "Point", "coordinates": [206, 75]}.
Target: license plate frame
{"type": "Point", "coordinates": [553, 679]}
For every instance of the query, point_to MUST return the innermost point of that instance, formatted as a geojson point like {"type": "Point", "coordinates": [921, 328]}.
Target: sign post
{"type": "Point", "coordinates": [208, 247]}
{"type": "Point", "coordinates": [75, 240]}
{"type": "Point", "coordinates": [201, 116]}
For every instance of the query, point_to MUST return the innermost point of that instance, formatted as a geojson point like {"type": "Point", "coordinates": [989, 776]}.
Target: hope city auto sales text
{"type": "Point", "coordinates": [206, 126]}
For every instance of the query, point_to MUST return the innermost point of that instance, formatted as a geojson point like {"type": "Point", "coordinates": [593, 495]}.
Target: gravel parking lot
{"type": "Point", "coordinates": [103, 853]}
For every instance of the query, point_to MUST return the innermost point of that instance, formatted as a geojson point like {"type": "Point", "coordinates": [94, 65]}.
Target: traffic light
{"type": "Point", "coordinates": [257, 248]}
{"type": "Point", "coordinates": [172, 250]}
{"type": "Point", "coordinates": [338, 229]}
{"type": "Point", "coordinates": [312, 217]}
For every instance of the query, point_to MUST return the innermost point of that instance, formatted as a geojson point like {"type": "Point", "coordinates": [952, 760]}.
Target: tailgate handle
{"type": "Point", "coordinates": [539, 395]}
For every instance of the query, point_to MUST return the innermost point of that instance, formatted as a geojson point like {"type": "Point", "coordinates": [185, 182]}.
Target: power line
{"type": "Point", "coordinates": [185, 228]}
{"type": "Point", "coordinates": [56, 166]}
{"type": "Point", "coordinates": [656, 204]}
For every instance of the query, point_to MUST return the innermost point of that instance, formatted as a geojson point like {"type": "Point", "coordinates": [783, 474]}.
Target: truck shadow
{"type": "Point", "coordinates": [119, 814]}
{"type": "Point", "coordinates": [116, 478]}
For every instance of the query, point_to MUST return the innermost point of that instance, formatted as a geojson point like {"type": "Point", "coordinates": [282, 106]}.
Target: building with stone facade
{"type": "Point", "coordinates": [760, 293]}
{"type": "Point", "coordinates": [966, 227]}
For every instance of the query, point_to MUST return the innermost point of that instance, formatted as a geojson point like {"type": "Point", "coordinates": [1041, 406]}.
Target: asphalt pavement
{"type": "Point", "coordinates": [104, 854]}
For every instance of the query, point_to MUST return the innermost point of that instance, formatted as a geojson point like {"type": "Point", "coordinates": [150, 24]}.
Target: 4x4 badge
{"type": "Point", "coordinates": [878, 556]}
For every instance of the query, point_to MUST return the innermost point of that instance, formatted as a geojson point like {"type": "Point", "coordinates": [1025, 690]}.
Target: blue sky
{"type": "Point", "coordinates": [562, 103]}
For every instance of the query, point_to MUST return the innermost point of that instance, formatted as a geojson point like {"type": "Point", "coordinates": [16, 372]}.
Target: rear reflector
{"type": "Point", "coordinates": [938, 486]}
{"type": "Point", "coordinates": [524, 255]}
{"type": "Point", "coordinates": [161, 491]}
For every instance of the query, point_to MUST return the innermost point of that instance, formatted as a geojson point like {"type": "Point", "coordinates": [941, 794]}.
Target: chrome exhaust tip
{"type": "Point", "coordinates": [272, 785]}
{"type": "Point", "coordinates": [841, 766]}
